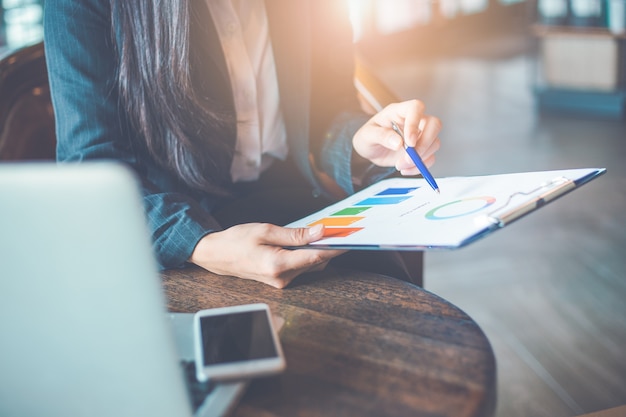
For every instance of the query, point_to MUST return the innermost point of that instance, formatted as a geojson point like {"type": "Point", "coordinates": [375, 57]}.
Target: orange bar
{"type": "Point", "coordinates": [337, 221]}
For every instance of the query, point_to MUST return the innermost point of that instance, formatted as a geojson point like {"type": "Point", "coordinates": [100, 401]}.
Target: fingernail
{"type": "Point", "coordinates": [315, 230]}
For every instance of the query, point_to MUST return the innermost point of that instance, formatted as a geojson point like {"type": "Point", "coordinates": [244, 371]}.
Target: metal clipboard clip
{"type": "Point", "coordinates": [549, 191]}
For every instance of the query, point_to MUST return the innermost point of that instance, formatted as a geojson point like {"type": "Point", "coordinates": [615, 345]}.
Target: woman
{"type": "Point", "coordinates": [215, 104]}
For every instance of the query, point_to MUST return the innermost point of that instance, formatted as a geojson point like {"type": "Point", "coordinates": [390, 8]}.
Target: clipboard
{"type": "Point", "coordinates": [406, 214]}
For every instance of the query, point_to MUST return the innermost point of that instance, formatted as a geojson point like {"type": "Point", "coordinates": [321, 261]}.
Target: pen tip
{"type": "Point", "coordinates": [437, 189]}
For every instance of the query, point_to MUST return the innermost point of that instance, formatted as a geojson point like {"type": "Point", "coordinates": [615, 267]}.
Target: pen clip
{"type": "Point", "coordinates": [396, 129]}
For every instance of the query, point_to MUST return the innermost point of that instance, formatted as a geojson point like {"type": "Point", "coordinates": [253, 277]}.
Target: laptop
{"type": "Point", "coordinates": [84, 328]}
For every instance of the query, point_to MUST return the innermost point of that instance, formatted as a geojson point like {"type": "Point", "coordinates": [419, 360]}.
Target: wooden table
{"type": "Point", "coordinates": [356, 344]}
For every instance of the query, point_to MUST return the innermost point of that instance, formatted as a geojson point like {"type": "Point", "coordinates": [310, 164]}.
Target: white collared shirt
{"type": "Point", "coordinates": [244, 34]}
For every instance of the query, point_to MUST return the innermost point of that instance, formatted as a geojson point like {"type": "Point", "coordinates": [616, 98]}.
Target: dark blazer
{"type": "Point", "coordinates": [312, 47]}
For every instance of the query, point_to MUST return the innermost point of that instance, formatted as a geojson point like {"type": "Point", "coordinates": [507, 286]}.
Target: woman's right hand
{"type": "Point", "coordinates": [257, 251]}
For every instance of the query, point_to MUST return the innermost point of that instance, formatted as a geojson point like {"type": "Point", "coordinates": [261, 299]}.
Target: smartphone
{"type": "Point", "coordinates": [237, 342]}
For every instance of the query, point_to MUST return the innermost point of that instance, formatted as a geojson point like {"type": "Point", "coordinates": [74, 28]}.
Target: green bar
{"type": "Point", "coordinates": [350, 211]}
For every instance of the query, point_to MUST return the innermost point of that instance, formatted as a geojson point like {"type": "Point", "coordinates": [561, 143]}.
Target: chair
{"type": "Point", "coordinates": [27, 118]}
{"type": "Point", "coordinates": [374, 95]}
{"type": "Point", "coordinates": [26, 115]}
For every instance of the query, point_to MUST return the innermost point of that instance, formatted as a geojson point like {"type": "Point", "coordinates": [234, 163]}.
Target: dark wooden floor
{"type": "Point", "coordinates": [549, 290]}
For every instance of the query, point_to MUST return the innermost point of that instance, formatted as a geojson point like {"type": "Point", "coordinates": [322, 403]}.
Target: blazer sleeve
{"type": "Point", "coordinates": [90, 124]}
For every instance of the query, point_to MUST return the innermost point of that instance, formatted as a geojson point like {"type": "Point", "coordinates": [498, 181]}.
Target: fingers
{"type": "Point", "coordinates": [430, 127]}
{"type": "Point", "coordinates": [413, 116]}
{"type": "Point", "coordinates": [426, 151]}
{"type": "Point", "coordinates": [379, 143]}
{"type": "Point", "coordinates": [257, 251]}
{"type": "Point", "coordinates": [285, 264]}
{"type": "Point", "coordinates": [421, 131]}
{"type": "Point", "coordinates": [284, 236]}
{"type": "Point", "coordinates": [376, 141]}
{"type": "Point", "coordinates": [289, 264]}
{"type": "Point", "coordinates": [430, 150]}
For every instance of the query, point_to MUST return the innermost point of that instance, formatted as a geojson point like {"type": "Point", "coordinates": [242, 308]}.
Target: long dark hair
{"type": "Point", "coordinates": [182, 131]}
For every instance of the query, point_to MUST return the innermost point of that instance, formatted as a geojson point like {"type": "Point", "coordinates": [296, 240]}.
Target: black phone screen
{"type": "Point", "coordinates": [236, 337]}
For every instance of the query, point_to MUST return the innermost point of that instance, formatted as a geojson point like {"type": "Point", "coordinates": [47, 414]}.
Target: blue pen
{"type": "Point", "coordinates": [416, 159]}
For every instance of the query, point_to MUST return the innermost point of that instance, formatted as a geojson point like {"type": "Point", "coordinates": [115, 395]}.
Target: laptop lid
{"type": "Point", "coordinates": [82, 323]}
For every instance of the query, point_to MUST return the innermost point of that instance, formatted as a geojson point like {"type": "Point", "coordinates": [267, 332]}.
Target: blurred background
{"type": "Point", "coordinates": [520, 85]}
{"type": "Point", "coordinates": [20, 23]}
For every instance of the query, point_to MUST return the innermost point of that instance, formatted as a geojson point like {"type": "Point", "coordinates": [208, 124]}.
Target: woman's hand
{"type": "Point", "coordinates": [256, 251]}
{"type": "Point", "coordinates": [377, 141]}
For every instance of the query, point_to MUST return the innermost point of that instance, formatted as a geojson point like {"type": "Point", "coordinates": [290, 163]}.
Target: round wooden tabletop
{"type": "Point", "coordinates": [356, 344]}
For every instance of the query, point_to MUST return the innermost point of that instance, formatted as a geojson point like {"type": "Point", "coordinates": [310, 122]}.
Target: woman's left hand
{"type": "Point", "coordinates": [378, 142]}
